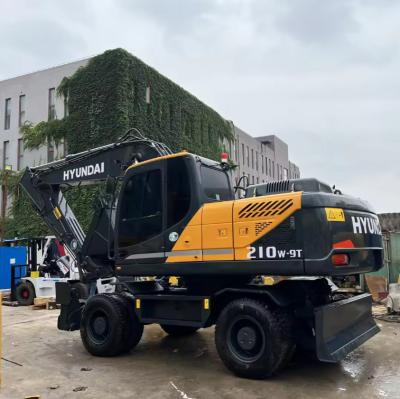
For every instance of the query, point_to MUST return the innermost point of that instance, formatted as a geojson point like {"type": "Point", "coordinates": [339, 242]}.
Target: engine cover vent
{"type": "Point", "coordinates": [265, 208]}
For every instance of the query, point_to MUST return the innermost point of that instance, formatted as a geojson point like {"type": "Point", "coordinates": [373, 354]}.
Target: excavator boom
{"type": "Point", "coordinates": [45, 186]}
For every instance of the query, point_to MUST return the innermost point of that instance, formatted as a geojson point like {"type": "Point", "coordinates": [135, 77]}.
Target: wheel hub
{"type": "Point", "coordinates": [100, 325]}
{"type": "Point", "coordinates": [25, 294]}
{"type": "Point", "coordinates": [246, 338]}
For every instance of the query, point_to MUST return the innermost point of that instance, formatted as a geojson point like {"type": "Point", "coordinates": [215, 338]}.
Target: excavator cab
{"type": "Point", "coordinates": [157, 200]}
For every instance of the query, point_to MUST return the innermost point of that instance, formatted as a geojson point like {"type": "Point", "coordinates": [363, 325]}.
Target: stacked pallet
{"type": "Point", "coordinates": [44, 303]}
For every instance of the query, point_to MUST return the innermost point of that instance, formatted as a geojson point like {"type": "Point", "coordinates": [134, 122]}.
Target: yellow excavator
{"type": "Point", "coordinates": [168, 214]}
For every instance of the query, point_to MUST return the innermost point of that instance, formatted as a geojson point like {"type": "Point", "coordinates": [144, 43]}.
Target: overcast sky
{"type": "Point", "coordinates": [322, 75]}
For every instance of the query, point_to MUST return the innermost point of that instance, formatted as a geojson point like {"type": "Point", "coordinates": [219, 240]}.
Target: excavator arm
{"type": "Point", "coordinates": [45, 186]}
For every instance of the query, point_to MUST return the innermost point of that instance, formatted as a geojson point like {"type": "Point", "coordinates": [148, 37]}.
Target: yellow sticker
{"type": "Point", "coordinates": [334, 214]}
{"type": "Point", "coordinates": [206, 304]}
{"type": "Point", "coordinates": [57, 213]}
{"type": "Point", "coordinates": [138, 304]}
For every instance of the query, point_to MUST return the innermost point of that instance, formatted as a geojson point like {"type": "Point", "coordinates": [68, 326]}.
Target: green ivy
{"type": "Point", "coordinates": [114, 92]}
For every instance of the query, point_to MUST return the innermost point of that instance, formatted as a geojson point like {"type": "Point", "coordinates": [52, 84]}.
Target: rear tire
{"type": "Point", "coordinates": [103, 325]}
{"type": "Point", "coordinates": [251, 339]}
{"type": "Point", "coordinates": [134, 330]}
{"type": "Point", "coordinates": [178, 331]}
{"type": "Point", "coordinates": [25, 293]}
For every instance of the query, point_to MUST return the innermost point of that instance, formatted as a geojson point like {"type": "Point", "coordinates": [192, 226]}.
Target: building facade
{"type": "Point", "coordinates": [261, 159]}
{"type": "Point", "coordinates": [33, 97]}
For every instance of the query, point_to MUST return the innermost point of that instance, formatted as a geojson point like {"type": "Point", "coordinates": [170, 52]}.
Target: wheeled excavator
{"type": "Point", "coordinates": [164, 214]}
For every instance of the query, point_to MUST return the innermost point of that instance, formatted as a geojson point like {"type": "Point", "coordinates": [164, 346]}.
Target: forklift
{"type": "Point", "coordinates": [46, 263]}
{"type": "Point", "coordinates": [166, 214]}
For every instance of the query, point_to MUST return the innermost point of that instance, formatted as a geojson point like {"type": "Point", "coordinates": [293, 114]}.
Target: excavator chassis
{"type": "Point", "coordinates": [330, 328]}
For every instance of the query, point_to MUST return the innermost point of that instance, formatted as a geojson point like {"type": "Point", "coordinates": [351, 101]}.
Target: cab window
{"type": "Point", "coordinates": [141, 208]}
{"type": "Point", "coordinates": [178, 191]}
{"type": "Point", "coordinates": [215, 183]}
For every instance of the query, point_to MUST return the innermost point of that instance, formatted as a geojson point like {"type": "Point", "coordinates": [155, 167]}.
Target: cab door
{"type": "Point", "coordinates": [140, 218]}
{"type": "Point", "coordinates": [182, 236]}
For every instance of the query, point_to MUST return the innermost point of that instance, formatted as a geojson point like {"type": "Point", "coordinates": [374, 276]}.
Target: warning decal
{"type": "Point", "coordinates": [334, 214]}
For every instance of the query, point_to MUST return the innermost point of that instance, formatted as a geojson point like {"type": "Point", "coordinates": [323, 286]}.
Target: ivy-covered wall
{"type": "Point", "coordinates": [112, 93]}
{"type": "Point", "coordinates": [117, 91]}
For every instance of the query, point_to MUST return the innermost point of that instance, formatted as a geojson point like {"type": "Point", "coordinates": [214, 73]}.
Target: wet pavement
{"type": "Point", "coordinates": [54, 364]}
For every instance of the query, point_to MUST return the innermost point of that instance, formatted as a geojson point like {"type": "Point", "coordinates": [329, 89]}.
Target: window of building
{"type": "Point", "coordinates": [248, 155]}
{"type": "Point", "coordinates": [280, 172]}
{"type": "Point", "coordinates": [141, 208]}
{"type": "Point", "coordinates": [262, 163]}
{"type": "Point", "coordinates": [215, 183]}
{"type": "Point", "coordinates": [178, 191]}
{"type": "Point", "coordinates": [266, 166]}
{"type": "Point", "coordinates": [270, 168]}
{"type": "Point", "coordinates": [243, 154]}
{"type": "Point", "coordinates": [52, 104]}
{"type": "Point", "coordinates": [6, 155]}
{"type": "Point", "coordinates": [20, 154]}
{"type": "Point", "coordinates": [236, 150]}
{"type": "Point", "coordinates": [252, 178]}
{"type": "Point", "coordinates": [258, 180]}
{"type": "Point", "coordinates": [22, 111]}
{"type": "Point", "coordinates": [66, 108]}
{"type": "Point", "coordinates": [252, 159]}
{"type": "Point", "coordinates": [285, 174]}
{"type": "Point", "coordinates": [273, 169]}
{"type": "Point", "coordinates": [7, 114]}
{"type": "Point", "coordinates": [256, 160]}
{"type": "Point", "coordinates": [50, 151]}
{"type": "Point", "coordinates": [148, 95]}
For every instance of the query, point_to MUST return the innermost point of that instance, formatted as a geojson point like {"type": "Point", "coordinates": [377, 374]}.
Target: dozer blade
{"type": "Point", "coordinates": [343, 326]}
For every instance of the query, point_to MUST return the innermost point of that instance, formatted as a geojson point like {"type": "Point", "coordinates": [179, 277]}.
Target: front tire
{"type": "Point", "coordinates": [250, 339]}
{"type": "Point", "coordinates": [25, 293]}
{"type": "Point", "coordinates": [103, 325]}
{"type": "Point", "coordinates": [178, 331]}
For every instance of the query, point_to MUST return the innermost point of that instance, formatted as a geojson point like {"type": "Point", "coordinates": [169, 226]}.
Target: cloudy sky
{"type": "Point", "coordinates": [323, 75]}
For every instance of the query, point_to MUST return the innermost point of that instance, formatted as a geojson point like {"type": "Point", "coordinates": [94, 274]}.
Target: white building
{"type": "Point", "coordinates": [261, 159]}
{"type": "Point", "coordinates": [32, 97]}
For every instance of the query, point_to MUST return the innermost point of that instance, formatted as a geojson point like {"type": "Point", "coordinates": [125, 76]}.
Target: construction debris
{"type": "Point", "coordinates": [377, 286]}
{"type": "Point", "coordinates": [11, 303]}
{"type": "Point", "coordinates": [11, 361]}
{"type": "Point", "coordinates": [79, 389]}
{"type": "Point", "coordinates": [380, 312]}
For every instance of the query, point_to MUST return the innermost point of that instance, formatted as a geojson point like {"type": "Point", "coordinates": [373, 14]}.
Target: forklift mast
{"type": "Point", "coordinates": [45, 185]}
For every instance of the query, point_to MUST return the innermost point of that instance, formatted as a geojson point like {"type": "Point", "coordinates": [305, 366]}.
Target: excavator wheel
{"type": "Point", "coordinates": [251, 339]}
{"type": "Point", "coordinates": [104, 324]}
{"type": "Point", "coordinates": [178, 331]}
{"type": "Point", "coordinates": [134, 331]}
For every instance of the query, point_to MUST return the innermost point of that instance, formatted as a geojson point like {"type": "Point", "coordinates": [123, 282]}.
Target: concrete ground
{"type": "Point", "coordinates": [54, 364]}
